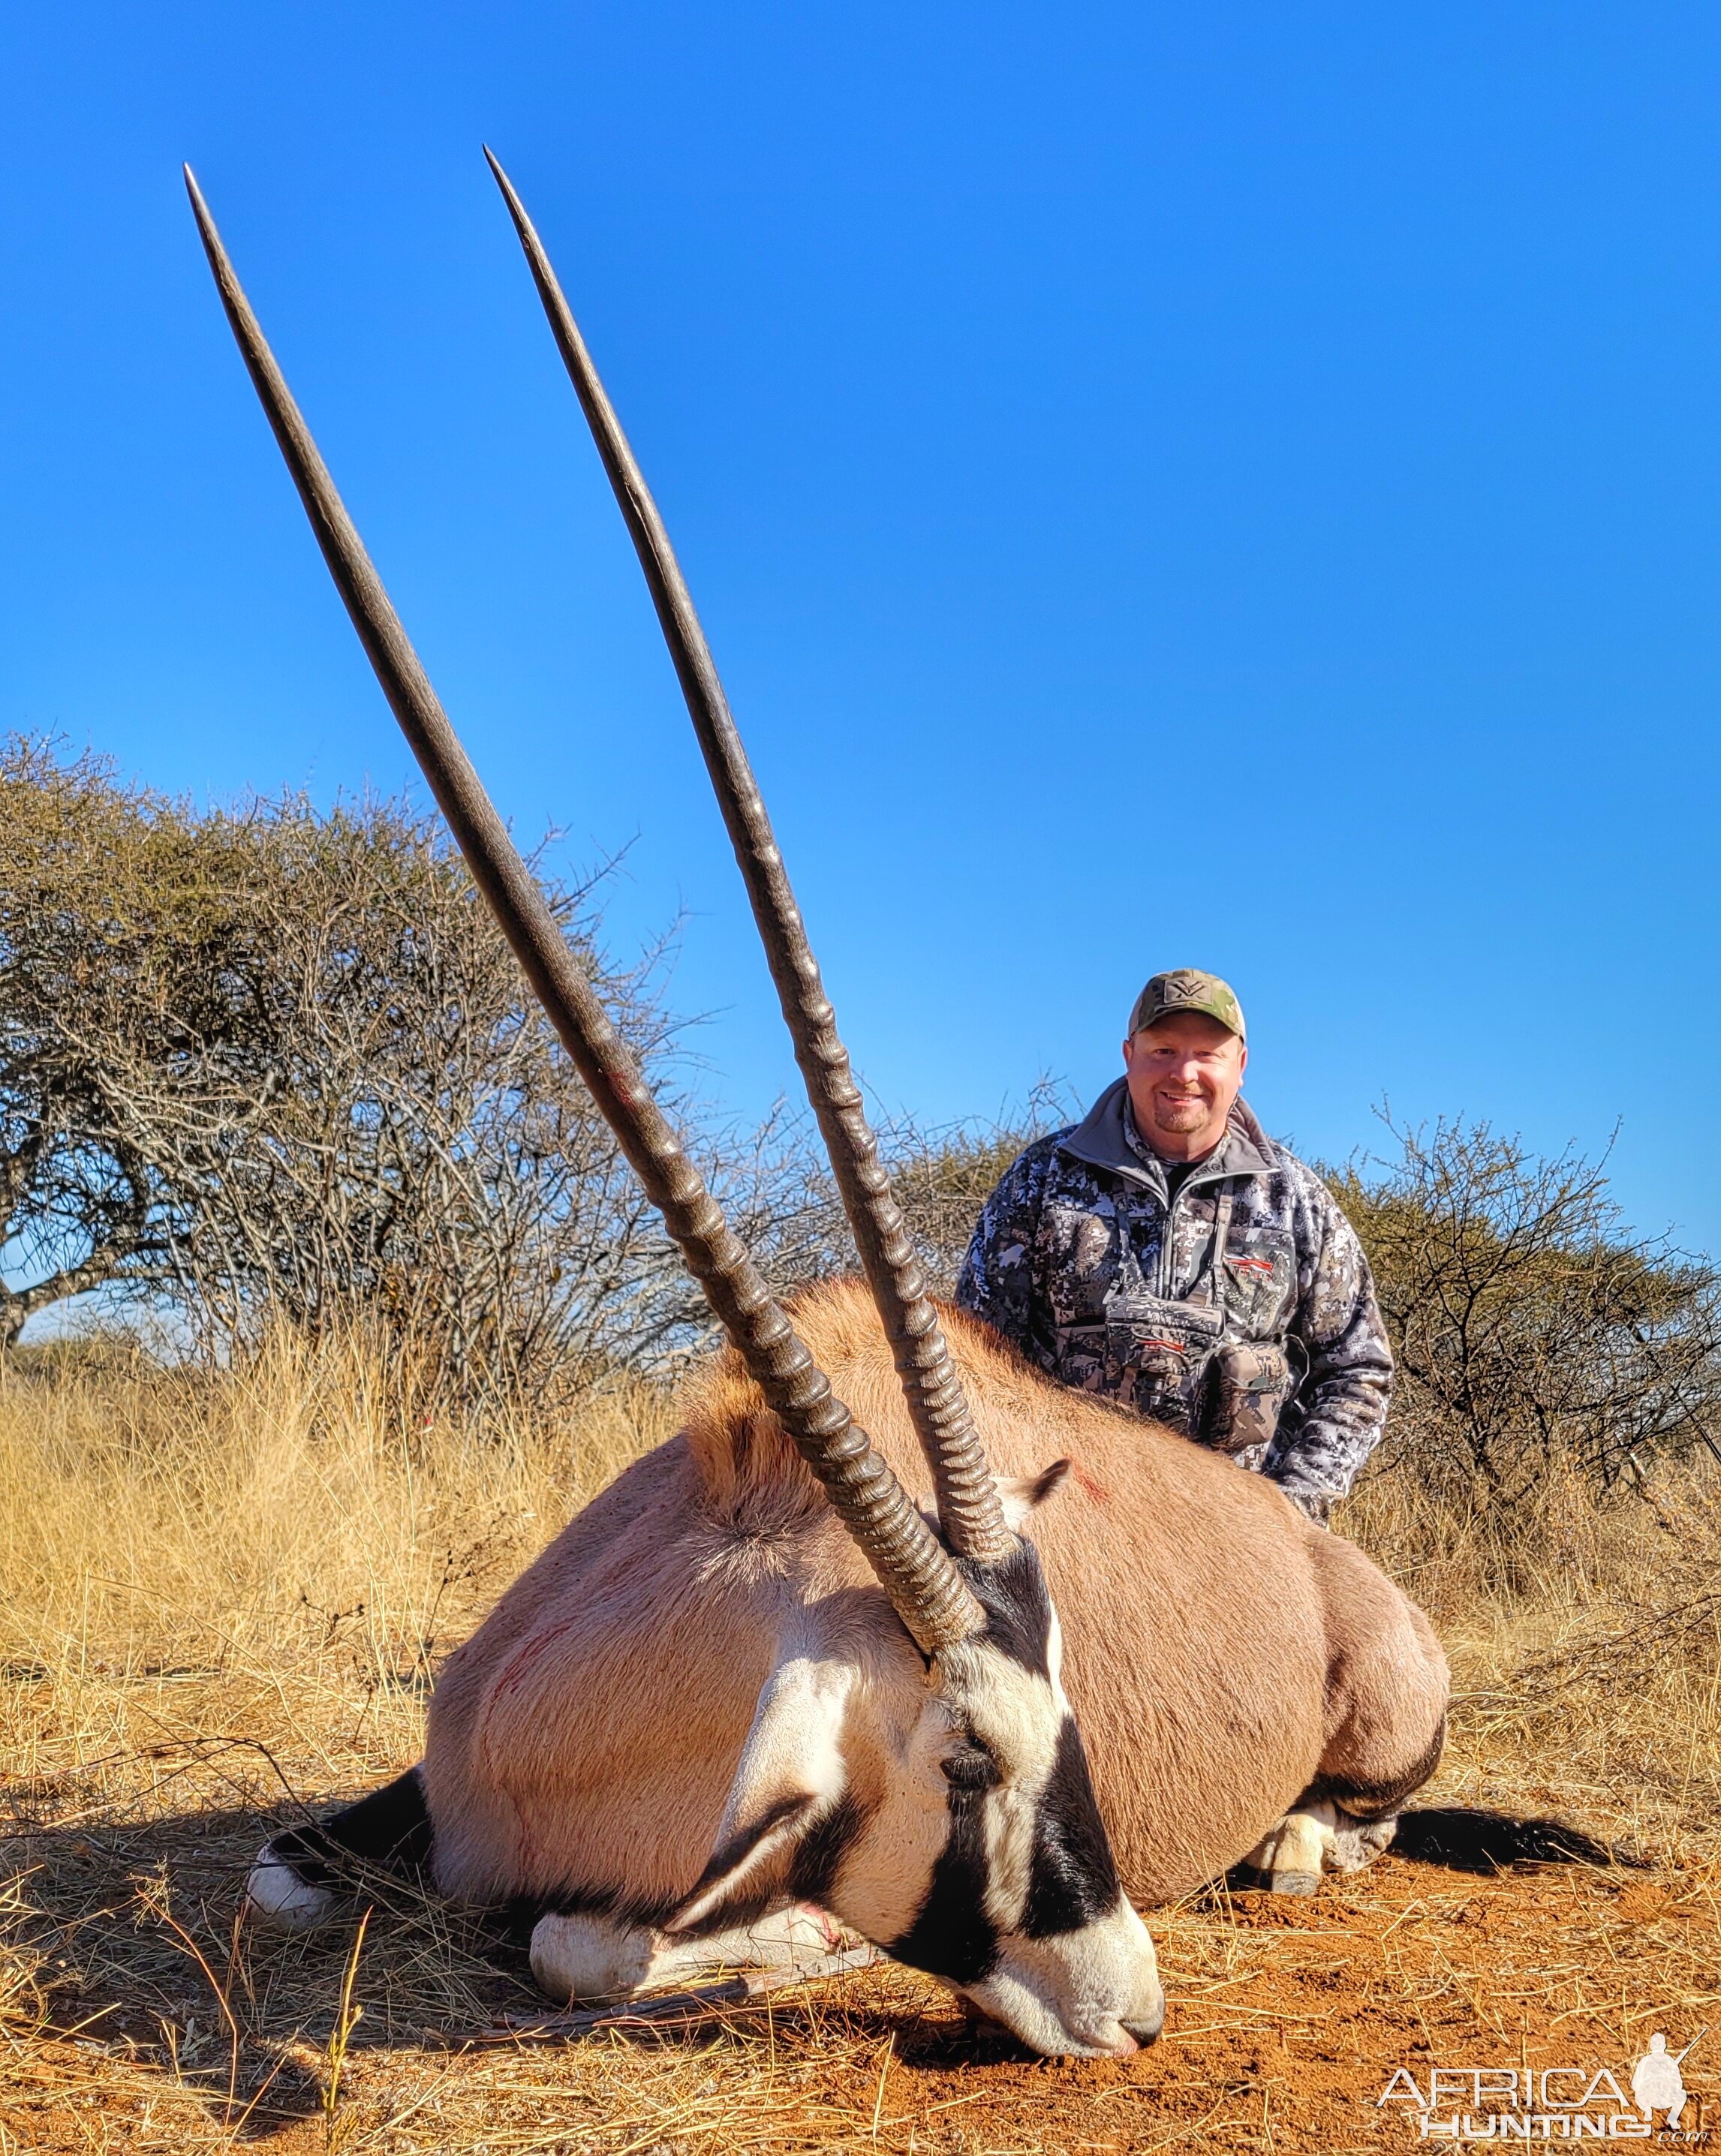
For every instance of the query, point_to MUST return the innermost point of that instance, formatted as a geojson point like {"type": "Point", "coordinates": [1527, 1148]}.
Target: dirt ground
{"type": "Point", "coordinates": [1286, 2020]}
{"type": "Point", "coordinates": [223, 1604]}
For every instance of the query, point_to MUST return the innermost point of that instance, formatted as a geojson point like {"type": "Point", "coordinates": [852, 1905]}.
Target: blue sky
{"type": "Point", "coordinates": [1233, 485]}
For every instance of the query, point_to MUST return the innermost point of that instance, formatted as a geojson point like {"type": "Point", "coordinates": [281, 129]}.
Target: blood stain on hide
{"type": "Point", "coordinates": [1089, 1485]}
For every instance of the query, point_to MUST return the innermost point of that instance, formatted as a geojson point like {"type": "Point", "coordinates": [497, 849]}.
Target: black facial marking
{"type": "Point", "coordinates": [390, 1828]}
{"type": "Point", "coordinates": [740, 1846]}
{"type": "Point", "coordinates": [952, 1936]}
{"type": "Point", "coordinates": [1018, 1608]}
{"type": "Point", "coordinates": [1074, 1877]}
{"type": "Point", "coordinates": [822, 1849]}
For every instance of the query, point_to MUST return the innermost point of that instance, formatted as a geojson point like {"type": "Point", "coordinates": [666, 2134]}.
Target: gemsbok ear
{"type": "Point", "coordinates": [1020, 1498]}
{"type": "Point", "coordinates": [790, 1778]}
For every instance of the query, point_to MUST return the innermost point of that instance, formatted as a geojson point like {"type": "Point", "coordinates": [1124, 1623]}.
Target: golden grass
{"type": "Point", "coordinates": [1585, 1645]}
{"type": "Point", "coordinates": [221, 1599]}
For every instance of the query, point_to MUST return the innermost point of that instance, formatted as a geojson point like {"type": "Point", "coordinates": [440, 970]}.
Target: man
{"type": "Point", "coordinates": [1167, 1254]}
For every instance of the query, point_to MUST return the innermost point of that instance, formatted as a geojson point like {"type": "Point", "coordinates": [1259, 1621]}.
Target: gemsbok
{"type": "Point", "coordinates": [759, 1690]}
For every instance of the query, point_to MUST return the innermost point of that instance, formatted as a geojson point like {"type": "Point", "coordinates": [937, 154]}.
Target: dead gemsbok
{"type": "Point", "coordinates": [755, 1686]}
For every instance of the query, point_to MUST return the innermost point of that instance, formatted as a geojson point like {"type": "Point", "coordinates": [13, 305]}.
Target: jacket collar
{"type": "Point", "coordinates": [1101, 1140]}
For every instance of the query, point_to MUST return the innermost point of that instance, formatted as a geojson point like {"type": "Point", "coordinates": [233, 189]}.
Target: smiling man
{"type": "Point", "coordinates": [1167, 1253]}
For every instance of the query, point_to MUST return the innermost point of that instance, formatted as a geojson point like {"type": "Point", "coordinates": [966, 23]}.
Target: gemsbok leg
{"type": "Point", "coordinates": [581, 1958]}
{"type": "Point", "coordinates": [1386, 1723]}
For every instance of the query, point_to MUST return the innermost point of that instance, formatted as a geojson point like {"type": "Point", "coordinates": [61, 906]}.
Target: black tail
{"type": "Point", "coordinates": [1463, 1840]}
{"type": "Point", "coordinates": [390, 1828]}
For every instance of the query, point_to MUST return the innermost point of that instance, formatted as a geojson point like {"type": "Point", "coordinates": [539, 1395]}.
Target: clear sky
{"type": "Point", "coordinates": [1231, 485]}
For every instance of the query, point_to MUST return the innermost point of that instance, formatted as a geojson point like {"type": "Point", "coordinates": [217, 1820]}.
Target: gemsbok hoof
{"type": "Point", "coordinates": [276, 1895]}
{"type": "Point", "coordinates": [1313, 1839]}
{"type": "Point", "coordinates": [1292, 1859]}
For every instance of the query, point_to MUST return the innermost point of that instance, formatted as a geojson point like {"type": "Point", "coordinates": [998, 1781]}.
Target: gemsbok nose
{"type": "Point", "coordinates": [969, 1680]}
{"type": "Point", "coordinates": [912, 1766]}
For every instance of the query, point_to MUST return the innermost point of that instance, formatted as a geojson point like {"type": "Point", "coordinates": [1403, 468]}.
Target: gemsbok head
{"type": "Point", "coordinates": [913, 1762]}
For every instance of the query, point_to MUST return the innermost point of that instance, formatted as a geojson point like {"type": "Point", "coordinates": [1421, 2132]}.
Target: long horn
{"type": "Point", "coordinates": [914, 1569]}
{"type": "Point", "coordinates": [968, 1506]}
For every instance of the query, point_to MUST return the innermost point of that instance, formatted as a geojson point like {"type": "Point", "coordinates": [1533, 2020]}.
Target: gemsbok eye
{"type": "Point", "coordinates": [972, 1768]}
{"type": "Point", "coordinates": [840, 1627]}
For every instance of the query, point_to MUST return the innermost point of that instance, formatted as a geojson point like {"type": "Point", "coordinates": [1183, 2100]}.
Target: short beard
{"type": "Point", "coordinates": [1186, 1116]}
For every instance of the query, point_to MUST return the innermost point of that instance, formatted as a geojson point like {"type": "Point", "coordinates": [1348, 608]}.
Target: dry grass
{"type": "Point", "coordinates": [1585, 1645]}
{"type": "Point", "coordinates": [221, 1602]}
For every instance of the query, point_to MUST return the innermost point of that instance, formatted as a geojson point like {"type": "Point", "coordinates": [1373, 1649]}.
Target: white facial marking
{"type": "Point", "coordinates": [1079, 1995]}
{"type": "Point", "coordinates": [792, 1765]}
{"type": "Point", "coordinates": [1017, 1715]}
{"type": "Point", "coordinates": [879, 1724]}
{"type": "Point", "coordinates": [881, 1892]}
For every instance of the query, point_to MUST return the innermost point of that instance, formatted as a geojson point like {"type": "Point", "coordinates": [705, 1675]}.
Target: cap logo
{"type": "Point", "coordinates": [1187, 989]}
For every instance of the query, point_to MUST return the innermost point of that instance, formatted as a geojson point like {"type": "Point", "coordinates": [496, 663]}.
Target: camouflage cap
{"type": "Point", "coordinates": [1168, 995]}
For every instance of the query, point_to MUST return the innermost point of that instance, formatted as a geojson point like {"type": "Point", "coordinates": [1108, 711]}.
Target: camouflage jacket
{"type": "Point", "coordinates": [1160, 1297]}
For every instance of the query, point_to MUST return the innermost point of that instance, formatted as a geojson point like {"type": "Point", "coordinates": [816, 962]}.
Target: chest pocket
{"type": "Point", "coordinates": [1083, 1255]}
{"type": "Point", "coordinates": [1258, 1274]}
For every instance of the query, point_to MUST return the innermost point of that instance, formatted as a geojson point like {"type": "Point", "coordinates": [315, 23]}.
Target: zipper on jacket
{"type": "Point", "coordinates": [1167, 1281]}
{"type": "Point", "coordinates": [1167, 1242]}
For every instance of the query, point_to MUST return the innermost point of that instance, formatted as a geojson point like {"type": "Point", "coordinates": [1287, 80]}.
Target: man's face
{"type": "Point", "coordinates": [1185, 1072]}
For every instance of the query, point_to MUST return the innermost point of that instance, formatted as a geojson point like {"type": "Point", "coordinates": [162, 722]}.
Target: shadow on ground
{"type": "Point", "coordinates": [128, 1937]}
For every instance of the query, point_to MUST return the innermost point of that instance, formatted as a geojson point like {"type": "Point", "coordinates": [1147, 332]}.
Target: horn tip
{"type": "Point", "coordinates": [199, 207]}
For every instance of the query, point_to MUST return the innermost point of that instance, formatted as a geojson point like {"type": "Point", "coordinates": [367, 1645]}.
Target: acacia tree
{"type": "Point", "coordinates": [269, 1063]}
{"type": "Point", "coordinates": [80, 1206]}
{"type": "Point", "coordinates": [275, 1063]}
{"type": "Point", "coordinates": [1527, 1324]}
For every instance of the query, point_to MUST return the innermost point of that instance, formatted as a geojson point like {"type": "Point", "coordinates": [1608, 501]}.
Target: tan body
{"type": "Point", "coordinates": [769, 1660]}
{"type": "Point", "coordinates": [1222, 1654]}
